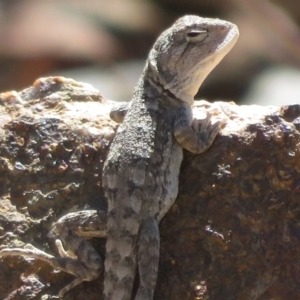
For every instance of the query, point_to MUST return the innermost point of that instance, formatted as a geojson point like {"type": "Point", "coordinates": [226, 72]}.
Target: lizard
{"type": "Point", "coordinates": [140, 174]}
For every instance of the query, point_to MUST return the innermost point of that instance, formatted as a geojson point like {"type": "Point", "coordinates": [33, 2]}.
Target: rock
{"type": "Point", "coordinates": [233, 232]}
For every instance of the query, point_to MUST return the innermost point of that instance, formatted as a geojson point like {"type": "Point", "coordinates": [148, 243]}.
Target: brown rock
{"type": "Point", "coordinates": [233, 232]}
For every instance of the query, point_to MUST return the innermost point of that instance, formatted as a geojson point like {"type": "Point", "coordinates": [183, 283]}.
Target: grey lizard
{"type": "Point", "coordinates": [140, 175]}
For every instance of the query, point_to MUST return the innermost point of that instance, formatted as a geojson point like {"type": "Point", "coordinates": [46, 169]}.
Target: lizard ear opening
{"type": "Point", "coordinates": [195, 36]}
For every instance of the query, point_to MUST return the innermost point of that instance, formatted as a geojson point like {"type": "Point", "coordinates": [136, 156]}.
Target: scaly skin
{"type": "Point", "coordinates": [140, 175]}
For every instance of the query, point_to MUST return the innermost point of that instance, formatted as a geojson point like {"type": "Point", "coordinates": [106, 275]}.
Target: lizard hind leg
{"type": "Point", "coordinates": [148, 258]}
{"type": "Point", "coordinates": [62, 252]}
{"type": "Point", "coordinates": [65, 263]}
{"type": "Point", "coordinates": [81, 259]}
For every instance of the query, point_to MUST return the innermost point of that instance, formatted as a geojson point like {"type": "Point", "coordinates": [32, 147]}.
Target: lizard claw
{"type": "Point", "coordinates": [206, 124]}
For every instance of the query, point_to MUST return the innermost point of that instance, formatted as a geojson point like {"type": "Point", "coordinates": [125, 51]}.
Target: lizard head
{"type": "Point", "coordinates": [187, 52]}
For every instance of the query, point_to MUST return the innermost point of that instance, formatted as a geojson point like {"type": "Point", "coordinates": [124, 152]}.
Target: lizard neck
{"type": "Point", "coordinates": [154, 86]}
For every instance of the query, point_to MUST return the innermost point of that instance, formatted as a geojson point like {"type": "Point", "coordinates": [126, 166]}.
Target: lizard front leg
{"type": "Point", "coordinates": [195, 135]}
{"type": "Point", "coordinates": [118, 111]}
{"type": "Point", "coordinates": [81, 259]}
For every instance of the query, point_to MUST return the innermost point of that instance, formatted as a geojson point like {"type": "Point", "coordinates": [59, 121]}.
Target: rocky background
{"type": "Point", "coordinates": [232, 234]}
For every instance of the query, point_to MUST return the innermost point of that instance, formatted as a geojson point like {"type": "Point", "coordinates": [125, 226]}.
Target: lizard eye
{"type": "Point", "coordinates": [195, 36]}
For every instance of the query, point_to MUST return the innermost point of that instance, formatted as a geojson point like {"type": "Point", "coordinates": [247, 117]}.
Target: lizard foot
{"type": "Point", "coordinates": [80, 260]}
{"type": "Point", "coordinates": [206, 130]}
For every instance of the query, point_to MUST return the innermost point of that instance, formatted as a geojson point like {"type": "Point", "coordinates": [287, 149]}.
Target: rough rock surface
{"type": "Point", "coordinates": [233, 233]}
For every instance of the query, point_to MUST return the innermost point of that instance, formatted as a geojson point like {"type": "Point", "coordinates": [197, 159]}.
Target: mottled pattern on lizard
{"type": "Point", "coordinates": [140, 176]}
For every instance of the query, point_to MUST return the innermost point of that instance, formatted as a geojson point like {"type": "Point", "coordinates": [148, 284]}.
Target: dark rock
{"type": "Point", "coordinates": [233, 233]}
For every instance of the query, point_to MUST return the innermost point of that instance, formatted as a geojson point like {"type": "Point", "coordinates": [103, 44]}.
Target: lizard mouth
{"type": "Point", "coordinates": [229, 40]}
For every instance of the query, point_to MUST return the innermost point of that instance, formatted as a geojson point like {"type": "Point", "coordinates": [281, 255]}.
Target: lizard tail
{"type": "Point", "coordinates": [120, 260]}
